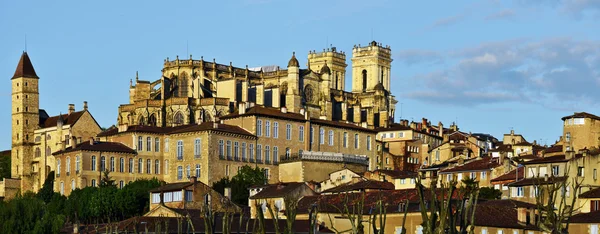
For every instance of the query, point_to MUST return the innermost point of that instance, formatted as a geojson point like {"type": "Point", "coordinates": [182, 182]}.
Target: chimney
{"type": "Point", "coordinates": [215, 124]}
{"type": "Point", "coordinates": [193, 179]}
{"type": "Point", "coordinates": [63, 145]}
{"type": "Point", "coordinates": [85, 106]}
{"type": "Point", "coordinates": [241, 108]}
{"type": "Point", "coordinates": [424, 122]}
{"type": "Point", "coordinates": [71, 108]}
{"type": "Point", "coordinates": [227, 192]}
{"type": "Point", "coordinates": [302, 111]}
{"type": "Point", "coordinates": [283, 109]}
{"type": "Point", "coordinates": [512, 132]}
{"type": "Point", "coordinates": [91, 141]}
{"type": "Point", "coordinates": [73, 142]}
{"type": "Point", "coordinates": [441, 129]}
{"type": "Point", "coordinates": [413, 125]}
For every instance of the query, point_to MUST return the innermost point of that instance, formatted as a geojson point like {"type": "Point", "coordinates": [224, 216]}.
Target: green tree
{"type": "Point", "coordinates": [47, 191]}
{"type": "Point", "coordinates": [239, 184]}
{"type": "Point", "coordinates": [5, 164]}
{"type": "Point", "coordinates": [106, 180]}
{"type": "Point", "coordinates": [488, 193]}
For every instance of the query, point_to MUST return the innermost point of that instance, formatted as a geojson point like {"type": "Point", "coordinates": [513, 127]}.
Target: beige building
{"type": "Point", "coordinates": [36, 135]}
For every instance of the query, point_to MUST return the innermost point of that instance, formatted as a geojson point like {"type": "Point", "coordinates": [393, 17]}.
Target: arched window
{"type": "Point", "coordinates": [156, 166]}
{"type": "Point", "coordinates": [68, 166]}
{"type": "Point", "coordinates": [152, 120]}
{"type": "Point", "coordinates": [72, 185]}
{"type": "Point", "coordinates": [121, 165]}
{"type": "Point", "coordinates": [130, 165]}
{"type": "Point", "coordinates": [178, 119]}
{"type": "Point", "coordinates": [180, 150]}
{"type": "Point", "coordinates": [364, 80]}
{"type": "Point", "coordinates": [188, 172]}
{"type": "Point", "coordinates": [330, 137]}
{"type": "Point", "coordinates": [112, 164]}
{"type": "Point", "coordinates": [58, 167]}
{"type": "Point", "coordinates": [275, 130]}
{"type": "Point", "coordinates": [197, 147]}
{"type": "Point", "coordinates": [140, 145]}
{"type": "Point", "coordinates": [140, 165]}
{"type": "Point", "coordinates": [38, 152]}
{"type": "Point", "coordinates": [182, 85]}
{"type": "Point", "coordinates": [157, 144]}
{"type": "Point", "coordinates": [179, 172]}
{"type": "Point", "coordinates": [197, 170]}
{"type": "Point", "coordinates": [77, 163]}
{"type": "Point", "coordinates": [93, 167]}
{"type": "Point", "coordinates": [93, 183]}
{"type": "Point", "coordinates": [148, 166]}
{"type": "Point", "coordinates": [166, 167]}
{"type": "Point", "coordinates": [275, 154]}
{"type": "Point", "coordinates": [148, 144]}
{"type": "Point", "coordinates": [62, 188]}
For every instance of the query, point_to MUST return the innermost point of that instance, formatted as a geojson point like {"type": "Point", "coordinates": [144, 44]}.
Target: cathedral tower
{"type": "Point", "coordinates": [371, 65]}
{"type": "Point", "coordinates": [336, 63]}
{"type": "Point", "coordinates": [25, 119]}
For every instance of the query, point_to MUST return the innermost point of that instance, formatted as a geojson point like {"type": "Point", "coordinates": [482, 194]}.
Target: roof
{"type": "Point", "coordinates": [537, 181]}
{"type": "Point", "coordinates": [511, 175]}
{"type": "Point", "coordinates": [67, 119]}
{"type": "Point", "coordinates": [551, 159]}
{"type": "Point", "coordinates": [554, 149]}
{"type": "Point", "coordinates": [278, 190]}
{"type": "Point", "coordinates": [25, 68]}
{"type": "Point", "coordinates": [508, 203]}
{"type": "Point", "coordinates": [474, 165]}
{"type": "Point", "coordinates": [362, 185]}
{"type": "Point", "coordinates": [591, 217]}
{"type": "Point", "coordinates": [397, 174]}
{"type": "Point", "coordinates": [393, 127]}
{"type": "Point", "coordinates": [523, 143]}
{"type": "Point", "coordinates": [293, 61]}
{"type": "Point", "coordinates": [340, 125]}
{"type": "Point", "coordinates": [205, 126]}
{"type": "Point", "coordinates": [266, 111]}
{"type": "Point", "coordinates": [498, 216]}
{"type": "Point", "coordinates": [172, 187]}
{"type": "Point", "coordinates": [581, 115]}
{"type": "Point", "coordinates": [594, 193]}
{"type": "Point", "coordinates": [98, 146]}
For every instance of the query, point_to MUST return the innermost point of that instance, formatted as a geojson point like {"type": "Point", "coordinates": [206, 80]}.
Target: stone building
{"type": "Point", "coordinates": [192, 91]}
{"type": "Point", "coordinates": [35, 134]}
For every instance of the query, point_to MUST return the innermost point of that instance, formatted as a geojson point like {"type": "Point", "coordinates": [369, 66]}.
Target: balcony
{"type": "Point", "coordinates": [328, 157]}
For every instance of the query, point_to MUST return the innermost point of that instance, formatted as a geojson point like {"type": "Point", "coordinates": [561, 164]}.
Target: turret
{"type": "Point", "coordinates": [293, 100]}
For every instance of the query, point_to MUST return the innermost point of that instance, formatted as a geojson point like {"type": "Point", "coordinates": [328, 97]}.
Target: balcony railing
{"type": "Point", "coordinates": [328, 156]}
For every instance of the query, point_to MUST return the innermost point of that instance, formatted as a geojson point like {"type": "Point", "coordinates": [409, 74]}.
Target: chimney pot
{"type": "Point", "coordinates": [85, 105]}
{"type": "Point", "coordinates": [71, 108]}
{"type": "Point", "coordinates": [241, 108]}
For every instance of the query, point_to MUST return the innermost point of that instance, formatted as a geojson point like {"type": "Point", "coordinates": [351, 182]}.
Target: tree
{"type": "Point", "coordinates": [552, 201]}
{"type": "Point", "coordinates": [47, 191]}
{"type": "Point", "coordinates": [5, 164]}
{"type": "Point", "coordinates": [239, 184]}
{"type": "Point", "coordinates": [488, 193]}
{"type": "Point", "coordinates": [106, 180]}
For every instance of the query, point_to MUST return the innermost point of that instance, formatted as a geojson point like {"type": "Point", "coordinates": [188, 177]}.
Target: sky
{"type": "Point", "coordinates": [490, 66]}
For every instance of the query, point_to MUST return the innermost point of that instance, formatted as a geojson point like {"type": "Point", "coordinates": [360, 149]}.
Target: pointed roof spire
{"type": "Point", "coordinates": [25, 68]}
{"type": "Point", "coordinates": [293, 61]}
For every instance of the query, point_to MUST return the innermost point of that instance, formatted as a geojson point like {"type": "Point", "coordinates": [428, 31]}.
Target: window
{"type": "Point", "coordinates": [166, 167]}
{"type": "Point", "coordinates": [62, 188]}
{"type": "Point", "coordinates": [148, 166]}
{"type": "Point", "coordinates": [288, 132]}
{"type": "Point", "coordinates": [568, 137]}
{"type": "Point", "coordinates": [483, 175]}
{"type": "Point", "coordinates": [437, 155]}
{"type": "Point", "coordinates": [330, 137]}
{"type": "Point", "coordinates": [140, 142]}
{"type": "Point", "coordinates": [500, 232]}
{"type": "Point", "coordinates": [267, 154]}
{"type": "Point", "coordinates": [312, 135]}
{"type": "Point", "coordinates": [149, 144]}
{"type": "Point", "coordinates": [520, 192]}
{"type": "Point", "coordinates": [168, 197]}
{"type": "Point", "coordinates": [93, 183]}
{"type": "Point", "coordinates": [268, 128]}
{"type": "Point", "coordinates": [58, 167]}
{"type": "Point", "coordinates": [321, 136]}
{"type": "Point", "coordinates": [177, 196]}
{"type": "Point", "coordinates": [595, 205]}
{"type": "Point", "coordinates": [197, 170]}
{"type": "Point", "coordinates": [275, 130]}
{"type": "Point", "coordinates": [356, 141]}
{"type": "Point", "coordinates": [555, 170]}
{"type": "Point", "coordinates": [180, 150]}
{"type": "Point", "coordinates": [179, 172]}
{"type": "Point", "coordinates": [197, 147]}
{"type": "Point", "coordinates": [483, 231]}
{"type": "Point", "coordinates": [259, 128]}
{"type": "Point", "coordinates": [221, 149]}
{"type": "Point", "coordinates": [473, 175]}
{"type": "Point", "coordinates": [301, 133]}
{"type": "Point", "coordinates": [156, 166]}
{"type": "Point", "coordinates": [155, 198]}
{"type": "Point", "coordinates": [287, 153]}
{"type": "Point", "coordinates": [266, 171]}
{"type": "Point", "coordinates": [121, 184]}
{"type": "Point", "coordinates": [595, 174]}
{"type": "Point", "coordinates": [593, 228]}
{"type": "Point", "coordinates": [157, 144]}
{"type": "Point", "coordinates": [580, 170]}
{"type": "Point", "coordinates": [369, 143]}
{"type": "Point", "coordinates": [189, 195]}
{"type": "Point", "coordinates": [228, 149]}
{"type": "Point", "coordinates": [251, 152]}
{"type": "Point", "coordinates": [387, 160]}
{"type": "Point", "coordinates": [243, 151]}
{"type": "Point", "coordinates": [236, 150]}
{"type": "Point", "coordinates": [345, 142]}
{"type": "Point", "coordinates": [402, 181]}
{"type": "Point", "coordinates": [130, 165]}
{"type": "Point", "coordinates": [140, 165]}
{"type": "Point", "coordinates": [258, 153]}
{"type": "Point", "coordinates": [102, 163]}
{"type": "Point", "coordinates": [93, 168]}
{"type": "Point", "coordinates": [166, 144]}
{"type": "Point", "coordinates": [68, 166]}
{"type": "Point", "coordinates": [188, 172]}
{"type": "Point", "coordinates": [112, 164]}
{"type": "Point", "coordinates": [121, 165]}
{"type": "Point", "coordinates": [275, 154]}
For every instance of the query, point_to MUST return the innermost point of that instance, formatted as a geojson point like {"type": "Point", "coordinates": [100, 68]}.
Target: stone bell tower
{"type": "Point", "coordinates": [25, 120]}
{"type": "Point", "coordinates": [371, 65]}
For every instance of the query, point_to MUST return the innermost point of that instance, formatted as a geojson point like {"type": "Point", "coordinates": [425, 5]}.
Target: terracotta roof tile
{"type": "Point", "coordinates": [554, 149]}
{"type": "Point", "coordinates": [474, 165]}
{"type": "Point", "coordinates": [552, 159]}
{"type": "Point", "coordinates": [498, 216]}
{"type": "Point", "coordinates": [340, 125]}
{"type": "Point", "coordinates": [581, 115]}
{"type": "Point", "coordinates": [509, 203]}
{"type": "Point", "coordinates": [393, 127]}
{"type": "Point", "coordinates": [397, 174]}
{"type": "Point", "coordinates": [277, 190]}
{"type": "Point", "coordinates": [98, 146]}
{"type": "Point", "coordinates": [68, 119]}
{"type": "Point", "coordinates": [362, 185]}
{"type": "Point", "coordinates": [594, 193]}
{"type": "Point", "coordinates": [591, 217]}
{"type": "Point", "coordinates": [206, 126]}
{"type": "Point", "coordinates": [25, 68]}
{"type": "Point", "coordinates": [536, 181]}
{"type": "Point", "coordinates": [511, 175]}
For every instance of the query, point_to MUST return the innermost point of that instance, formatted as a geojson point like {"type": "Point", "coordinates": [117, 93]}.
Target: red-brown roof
{"type": "Point", "coordinates": [475, 165]}
{"type": "Point", "coordinates": [537, 181]}
{"type": "Point", "coordinates": [340, 125]}
{"type": "Point", "coordinates": [67, 119]}
{"type": "Point", "coordinates": [591, 217]}
{"type": "Point", "coordinates": [397, 174]}
{"type": "Point", "coordinates": [552, 159]}
{"type": "Point", "coordinates": [581, 115]}
{"type": "Point", "coordinates": [393, 127]}
{"type": "Point", "coordinates": [554, 149]}
{"type": "Point", "coordinates": [278, 190]}
{"type": "Point", "coordinates": [266, 111]}
{"type": "Point", "coordinates": [594, 193]}
{"type": "Point", "coordinates": [511, 175]}
{"type": "Point", "coordinates": [206, 126]}
{"type": "Point", "coordinates": [99, 146]}
{"type": "Point", "coordinates": [498, 216]}
{"type": "Point", "coordinates": [362, 185]}
{"type": "Point", "coordinates": [25, 68]}
{"type": "Point", "coordinates": [509, 203]}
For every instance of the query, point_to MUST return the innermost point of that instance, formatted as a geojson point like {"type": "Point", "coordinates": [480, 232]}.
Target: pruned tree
{"type": "Point", "coordinates": [291, 209]}
{"type": "Point", "coordinates": [379, 214]}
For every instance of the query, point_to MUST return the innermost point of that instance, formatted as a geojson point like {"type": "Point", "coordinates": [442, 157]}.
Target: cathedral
{"type": "Point", "coordinates": [194, 91]}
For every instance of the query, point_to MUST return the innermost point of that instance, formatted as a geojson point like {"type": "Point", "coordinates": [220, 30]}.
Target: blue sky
{"type": "Point", "coordinates": [491, 66]}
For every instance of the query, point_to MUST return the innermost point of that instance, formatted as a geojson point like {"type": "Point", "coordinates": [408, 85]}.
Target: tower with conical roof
{"type": "Point", "coordinates": [25, 120]}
